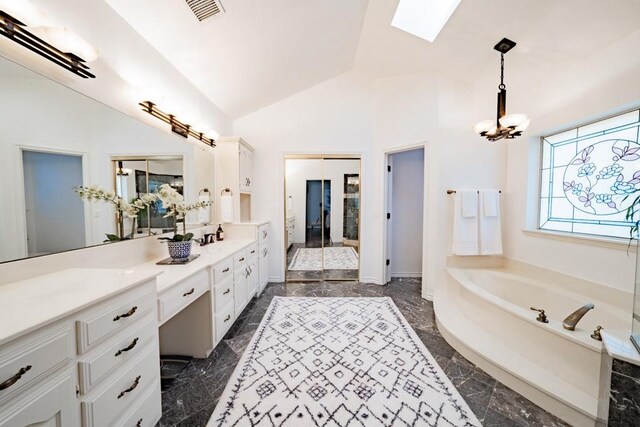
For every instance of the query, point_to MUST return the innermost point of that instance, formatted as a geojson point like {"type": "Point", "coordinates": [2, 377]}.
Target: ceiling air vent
{"type": "Point", "coordinates": [204, 9]}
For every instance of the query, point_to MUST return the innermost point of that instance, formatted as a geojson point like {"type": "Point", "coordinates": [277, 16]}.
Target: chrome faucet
{"type": "Point", "coordinates": [572, 320]}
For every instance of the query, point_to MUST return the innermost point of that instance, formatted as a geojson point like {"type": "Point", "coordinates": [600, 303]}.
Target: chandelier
{"type": "Point", "coordinates": [506, 126]}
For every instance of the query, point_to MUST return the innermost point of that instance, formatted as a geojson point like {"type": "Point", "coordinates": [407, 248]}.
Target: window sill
{"type": "Point", "coordinates": [603, 242]}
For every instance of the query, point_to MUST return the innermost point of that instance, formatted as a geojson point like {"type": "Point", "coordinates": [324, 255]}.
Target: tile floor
{"type": "Point", "coordinates": [192, 397]}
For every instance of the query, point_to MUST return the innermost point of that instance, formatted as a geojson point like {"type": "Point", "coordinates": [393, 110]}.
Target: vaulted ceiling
{"type": "Point", "coordinates": [259, 52]}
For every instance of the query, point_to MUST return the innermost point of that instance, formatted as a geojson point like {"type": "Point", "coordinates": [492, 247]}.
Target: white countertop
{"type": "Point", "coordinates": [211, 254]}
{"type": "Point", "coordinates": [29, 304]}
{"type": "Point", "coordinates": [33, 303]}
{"type": "Point", "coordinates": [619, 346]}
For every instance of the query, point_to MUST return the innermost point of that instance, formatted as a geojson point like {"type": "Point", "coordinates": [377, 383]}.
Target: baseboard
{"type": "Point", "coordinates": [373, 280]}
{"type": "Point", "coordinates": [406, 274]}
{"type": "Point", "coordinates": [275, 279]}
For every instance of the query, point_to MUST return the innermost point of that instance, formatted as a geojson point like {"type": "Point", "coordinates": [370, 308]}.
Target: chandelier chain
{"type": "Point", "coordinates": [502, 86]}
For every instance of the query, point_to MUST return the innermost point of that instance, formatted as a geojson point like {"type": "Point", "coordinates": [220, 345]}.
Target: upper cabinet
{"type": "Point", "coordinates": [234, 179]}
{"type": "Point", "coordinates": [246, 167]}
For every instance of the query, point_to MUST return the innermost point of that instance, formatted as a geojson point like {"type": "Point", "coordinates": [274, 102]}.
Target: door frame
{"type": "Point", "coordinates": [20, 209]}
{"type": "Point", "coordinates": [387, 208]}
{"type": "Point", "coordinates": [318, 156]}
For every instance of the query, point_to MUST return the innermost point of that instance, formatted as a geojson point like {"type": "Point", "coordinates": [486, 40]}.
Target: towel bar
{"type": "Point", "coordinates": [454, 192]}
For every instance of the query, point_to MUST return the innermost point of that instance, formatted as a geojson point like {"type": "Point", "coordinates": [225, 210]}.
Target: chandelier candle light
{"type": "Point", "coordinates": [506, 126]}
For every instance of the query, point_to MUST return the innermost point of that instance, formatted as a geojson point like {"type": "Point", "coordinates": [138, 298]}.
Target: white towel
{"type": "Point", "coordinates": [226, 209]}
{"type": "Point", "coordinates": [490, 224]}
{"type": "Point", "coordinates": [465, 229]}
{"type": "Point", "coordinates": [490, 202]}
{"type": "Point", "coordinates": [204, 214]}
{"type": "Point", "coordinates": [289, 204]}
{"type": "Point", "coordinates": [469, 203]}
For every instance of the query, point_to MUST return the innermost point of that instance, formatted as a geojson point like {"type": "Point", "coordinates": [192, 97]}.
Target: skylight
{"type": "Point", "coordinates": [423, 18]}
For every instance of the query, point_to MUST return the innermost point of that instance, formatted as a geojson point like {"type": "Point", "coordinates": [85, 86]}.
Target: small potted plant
{"type": "Point", "coordinates": [180, 244]}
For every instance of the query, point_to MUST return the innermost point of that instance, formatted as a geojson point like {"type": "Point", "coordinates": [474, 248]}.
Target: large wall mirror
{"type": "Point", "coordinates": [53, 140]}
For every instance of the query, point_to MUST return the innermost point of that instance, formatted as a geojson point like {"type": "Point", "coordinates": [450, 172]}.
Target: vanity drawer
{"type": "Point", "coordinates": [223, 269]}
{"type": "Point", "coordinates": [240, 259]}
{"type": "Point", "coordinates": [26, 360]}
{"type": "Point", "coordinates": [224, 320]}
{"type": "Point", "coordinates": [263, 233]}
{"type": "Point", "coordinates": [148, 411]}
{"type": "Point", "coordinates": [252, 251]}
{"type": "Point", "coordinates": [123, 391]}
{"type": "Point", "coordinates": [223, 293]}
{"type": "Point", "coordinates": [116, 352]}
{"type": "Point", "coordinates": [113, 316]}
{"type": "Point", "coordinates": [182, 294]}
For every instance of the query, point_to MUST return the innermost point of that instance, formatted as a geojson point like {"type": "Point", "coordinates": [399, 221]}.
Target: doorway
{"type": "Point", "coordinates": [54, 213]}
{"type": "Point", "coordinates": [322, 218]}
{"type": "Point", "coordinates": [404, 201]}
{"type": "Point", "coordinates": [318, 220]}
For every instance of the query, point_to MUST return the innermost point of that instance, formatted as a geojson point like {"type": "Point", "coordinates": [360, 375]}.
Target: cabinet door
{"type": "Point", "coordinates": [240, 290]}
{"type": "Point", "coordinates": [53, 405]}
{"type": "Point", "coordinates": [244, 179]}
{"type": "Point", "coordinates": [254, 277]}
{"type": "Point", "coordinates": [263, 267]}
{"type": "Point", "coordinates": [248, 169]}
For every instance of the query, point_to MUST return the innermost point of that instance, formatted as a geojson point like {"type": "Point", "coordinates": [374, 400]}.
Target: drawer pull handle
{"type": "Point", "coordinates": [226, 292]}
{"type": "Point", "coordinates": [253, 251]}
{"type": "Point", "coordinates": [133, 386]}
{"type": "Point", "coordinates": [225, 270]}
{"type": "Point", "coordinates": [139, 423]}
{"type": "Point", "coordinates": [14, 379]}
{"type": "Point", "coordinates": [226, 319]}
{"type": "Point", "coordinates": [127, 314]}
{"type": "Point", "coordinates": [241, 259]}
{"type": "Point", "coordinates": [189, 293]}
{"type": "Point", "coordinates": [130, 347]}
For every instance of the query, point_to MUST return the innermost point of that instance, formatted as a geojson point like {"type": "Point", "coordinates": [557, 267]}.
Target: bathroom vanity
{"type": "Point", "coordinates": [81, 346]}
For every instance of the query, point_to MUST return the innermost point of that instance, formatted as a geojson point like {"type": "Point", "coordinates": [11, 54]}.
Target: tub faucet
{"type": "Point", "coordinates": [572, 320]}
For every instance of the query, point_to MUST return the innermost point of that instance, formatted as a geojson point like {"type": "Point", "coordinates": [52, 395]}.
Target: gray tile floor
{"type": "Point", "coordinates": [192, 397]}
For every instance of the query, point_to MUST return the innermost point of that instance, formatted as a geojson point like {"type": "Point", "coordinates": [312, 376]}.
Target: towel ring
{"type": "Point", "coordinates": [204, 190]}
{"type": "Point", "coordinates": [226, 190]}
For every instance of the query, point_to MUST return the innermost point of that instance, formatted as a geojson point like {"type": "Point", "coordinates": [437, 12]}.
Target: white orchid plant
{"type": "Point", "coordinates": [176, 207]}
{"type": "Point", "coordinates": [123, 208]}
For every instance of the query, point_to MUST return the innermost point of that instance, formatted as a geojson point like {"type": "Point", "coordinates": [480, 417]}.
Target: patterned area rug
{"type": "Point", "coordinates": [338, 362]}
{"type": "Point", "coordinates": [339, 258]}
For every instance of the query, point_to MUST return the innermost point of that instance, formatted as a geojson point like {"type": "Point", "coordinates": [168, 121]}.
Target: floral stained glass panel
{"type": "Point", "coordinates": [588, 176]}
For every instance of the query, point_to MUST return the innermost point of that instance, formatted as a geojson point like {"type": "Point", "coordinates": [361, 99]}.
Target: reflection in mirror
{"type": "Point", "coordinates": [137, 176]}
{"type": "Point", "coordinates": [54, 140]}
{"type": "Point", "coordinates": [322, 218]}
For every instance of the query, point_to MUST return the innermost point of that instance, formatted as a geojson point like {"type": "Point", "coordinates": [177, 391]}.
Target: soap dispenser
{"type": "Point", "coordinates": [219, 233]}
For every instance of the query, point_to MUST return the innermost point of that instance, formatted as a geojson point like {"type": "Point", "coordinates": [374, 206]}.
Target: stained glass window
{"type": "Point", "coordinates": [589, 175]}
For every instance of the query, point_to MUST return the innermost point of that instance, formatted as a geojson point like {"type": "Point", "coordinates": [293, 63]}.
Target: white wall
{"type": "Point", "coordinates": [605, 83]}
{"type": "Point", "coordinates": [299, 171]}
{"type": "Point", "coordinates": [43, 115]}
{"type": "Point", "coordinates": [351, 113]}
{"type": "Point", "coordinates": [407, 200]}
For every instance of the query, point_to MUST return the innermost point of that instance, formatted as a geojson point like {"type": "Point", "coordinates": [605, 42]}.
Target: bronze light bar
{"type": "Point", "coordinates": [177, 126]}
{"type": "Point", "coordinates": [15, 30]}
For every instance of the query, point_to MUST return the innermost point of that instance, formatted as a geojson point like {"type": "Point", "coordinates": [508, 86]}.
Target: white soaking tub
{"type": "Point", "coordinates": [485, 315]}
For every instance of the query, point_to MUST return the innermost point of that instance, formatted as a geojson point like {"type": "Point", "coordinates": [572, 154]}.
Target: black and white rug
{"type": "Point", "coordinates": [338, 362]}
{"type": "Point", "coordinates": [335, 258]}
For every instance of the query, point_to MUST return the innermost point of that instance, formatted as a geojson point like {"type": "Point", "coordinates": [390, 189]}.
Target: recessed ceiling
{"type": "Point", "coordinates": [258, 52]}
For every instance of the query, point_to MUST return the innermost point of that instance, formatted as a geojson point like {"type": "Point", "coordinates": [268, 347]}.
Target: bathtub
{"type": "Point", "coordinates": [485, 315]}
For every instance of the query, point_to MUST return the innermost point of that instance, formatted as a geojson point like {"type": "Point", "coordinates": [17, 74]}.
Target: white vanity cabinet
{"type": "Point", "coordinates": [234, 172]}
{"type": "Point", "coordinates": [94, 366]}
{"type": "Point", "coordinates": [264, 232]}
{"type": "Point", "coordinates": [246, 167]}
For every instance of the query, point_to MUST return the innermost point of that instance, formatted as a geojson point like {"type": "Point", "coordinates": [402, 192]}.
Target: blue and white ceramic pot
{"type": "Point", "coordinates": [179, 250]}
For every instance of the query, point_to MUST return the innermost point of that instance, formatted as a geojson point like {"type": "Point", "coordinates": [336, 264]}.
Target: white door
{"type": "Point", "coordinates": [387, 218]}
{"type": "Point", "coordinates": [263, 266]}
{"type": "Point", "coordinates": [254, 277]}
{"type": "Point", "coordinates": [240, 290]}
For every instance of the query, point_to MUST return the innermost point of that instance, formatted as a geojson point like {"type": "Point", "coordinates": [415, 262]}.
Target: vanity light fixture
{"type": "Point", "coordinates": [16, 30]}
{"type": "Point", "coordinates": [182, 129]}
{"type": "Point", "coordinates": [506, 126]}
